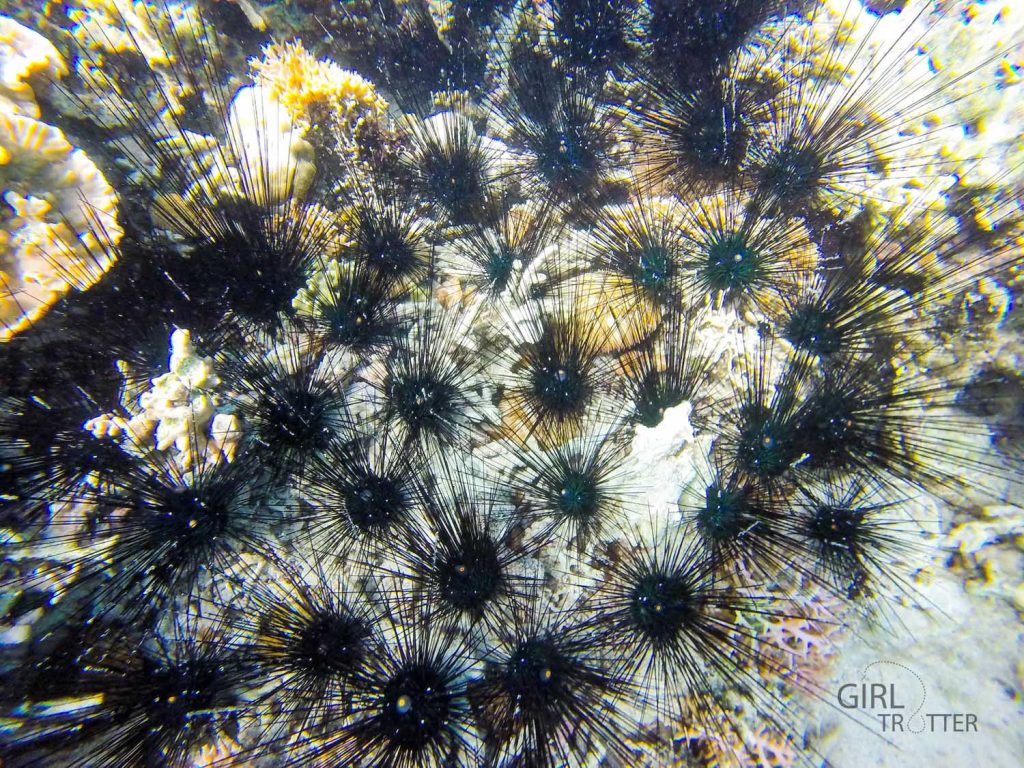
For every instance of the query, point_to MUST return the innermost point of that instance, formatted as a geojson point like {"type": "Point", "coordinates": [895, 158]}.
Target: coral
{"type": "Point", "coordinates": [179, 411]}
{"type": "Point", "coordinates": [58, 227]}
{"type": "Point", "coordinates": [980, 104]}
{"type": "Point", "coordinates": [270, 161]}
{"type": "Point", "coordinates": [25, 55]}
{"type": "Point", "coordinates": [958, 104]}
{"type": "Point", "coordinates": [122, 25]}
{"type": "Point", "coordinates": [314, 90]}
{"type": "Point", "coordinates": [118, 27]}
{"type": "Point", "coordinates": [804, 642]}
{"type": "Point", "coordinates": [331, 106]}
{"type": "Point", "coordinates": [282, 168]}
{"type": "Point", "coordinates": [989, 551]}
{"type": "Point", "coordinates": [771, 749]}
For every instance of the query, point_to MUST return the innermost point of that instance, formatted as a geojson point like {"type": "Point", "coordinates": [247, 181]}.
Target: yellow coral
{"type": "Point", "coordinates": [310, 88]}
{"type": "Point", "coordinates": [117, 26]}
{"type": "Point", "coordinates": [25, 54]}
{"type": "Point", "coordinates": [161, 34]}
{"type": "Point", "coordinates": [58, 224]}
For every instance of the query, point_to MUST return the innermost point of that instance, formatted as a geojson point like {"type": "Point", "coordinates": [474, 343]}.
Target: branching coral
{"type": "Point", "coordinates": [179, 411]}
{"type": "Point", "coordinates": [314, 90]}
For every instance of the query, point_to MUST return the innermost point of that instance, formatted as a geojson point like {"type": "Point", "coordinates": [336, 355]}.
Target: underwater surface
{"type": "Point", "coordinates": [519, 383]}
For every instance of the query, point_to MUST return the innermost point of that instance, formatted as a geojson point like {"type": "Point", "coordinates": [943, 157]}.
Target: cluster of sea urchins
{"type": "Point", "coordinates": [432, 546]}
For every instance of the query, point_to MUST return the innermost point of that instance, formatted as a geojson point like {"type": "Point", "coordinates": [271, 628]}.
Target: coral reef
{"type": "Point", "coordinates": [550, 383]}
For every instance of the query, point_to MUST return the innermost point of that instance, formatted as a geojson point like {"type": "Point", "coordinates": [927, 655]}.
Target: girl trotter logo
{"type": "Point", "coordinates": [896, 695]}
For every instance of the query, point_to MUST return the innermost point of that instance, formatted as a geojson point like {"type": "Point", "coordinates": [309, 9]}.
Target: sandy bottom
{"type": "Point", "coordinates": [959, 658]}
